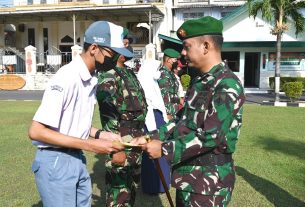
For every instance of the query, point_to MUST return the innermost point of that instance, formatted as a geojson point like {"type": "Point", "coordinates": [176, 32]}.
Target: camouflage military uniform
{"type": "Point", "coordinates": [169, 87]}
{"type": "Point", "coordinates": [200, 145]}
{"type": "Point", "coordinates": [123, 109]}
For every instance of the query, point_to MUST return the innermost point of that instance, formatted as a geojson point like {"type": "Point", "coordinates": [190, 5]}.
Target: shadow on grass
{"type": "Point", "coordinates": [273, 193]}
{"type": "Point", "coordinates": [98, 178]}
{"type": "Point", "coordinates": [39, 204]}
{"type": "Point", "coordinates": [290, 147]}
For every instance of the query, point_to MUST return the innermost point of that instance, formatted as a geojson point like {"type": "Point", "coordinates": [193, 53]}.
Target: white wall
{"type": "Point", "coordinates": [244, 28]}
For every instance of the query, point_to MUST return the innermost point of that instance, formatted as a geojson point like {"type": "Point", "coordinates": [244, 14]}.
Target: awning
{"type": "Point", "coordinates": [170, 42]}
{"type": "Point", "coordinates": [64, 13]}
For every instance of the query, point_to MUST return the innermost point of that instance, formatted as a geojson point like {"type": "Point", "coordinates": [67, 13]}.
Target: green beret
{"type": "Point", "coordinates": [198, 27]}
{"type": "Point", "coordinates": [171, 53]}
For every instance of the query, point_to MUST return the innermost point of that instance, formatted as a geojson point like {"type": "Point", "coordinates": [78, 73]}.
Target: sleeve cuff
{"type": "Point", "coordinates": [167, 150]}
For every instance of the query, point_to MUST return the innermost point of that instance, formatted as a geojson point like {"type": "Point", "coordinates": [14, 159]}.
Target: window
{"type": "Point", "coordinates": [192, 15]}
{"type": "Point", "coordinates": [232, 59]}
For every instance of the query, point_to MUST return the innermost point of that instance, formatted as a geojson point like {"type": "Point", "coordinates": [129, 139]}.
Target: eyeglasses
{"type": "Point", "coordinates": [109, 51]}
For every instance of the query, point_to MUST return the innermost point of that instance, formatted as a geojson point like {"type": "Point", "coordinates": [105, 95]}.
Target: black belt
{"type": "Point", "coordinates": [60, 149]}
{"type": "Point", "coordinates": [132, 124]}
{"type": "Point", "coordinates": [210, 159]}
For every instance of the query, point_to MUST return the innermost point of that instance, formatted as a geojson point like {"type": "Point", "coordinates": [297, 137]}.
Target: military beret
{"type": "Point", "coordinates": [197, 27]}
{"type": "Point", "coordinates": [171, 53]}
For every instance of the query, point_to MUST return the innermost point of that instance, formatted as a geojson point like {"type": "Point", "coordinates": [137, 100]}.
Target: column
{"type": "Point", "coordinates": [30, 60]}
{"type": "Point", "coordinates": [150, 52]}
{"type": "Point", "coordinates": [76, 50]}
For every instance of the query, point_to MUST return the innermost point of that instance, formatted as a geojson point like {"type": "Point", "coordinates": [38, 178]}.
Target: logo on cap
{"type": "Point", "coordinates": [99, 39]}
{"type": "Point", "coordinates": [182, 32]}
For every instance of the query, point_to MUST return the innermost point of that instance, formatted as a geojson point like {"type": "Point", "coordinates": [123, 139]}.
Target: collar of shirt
{"type": "Point", "coordinates": [84, 73]}
{"type": "Point", "coordinates": [215, 69]}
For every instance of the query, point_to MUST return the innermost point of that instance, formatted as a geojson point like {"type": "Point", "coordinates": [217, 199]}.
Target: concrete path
{"type": "Point", "coordinates": [254, 98]}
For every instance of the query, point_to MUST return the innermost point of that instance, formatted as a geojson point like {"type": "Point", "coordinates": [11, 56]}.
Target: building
{"type": "Point", "coordinates": [54, 26]}
{"type": "Point", "coordinates": [249, 47]}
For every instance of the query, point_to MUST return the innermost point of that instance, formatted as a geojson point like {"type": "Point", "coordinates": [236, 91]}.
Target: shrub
{"type": "Point", "coordinates": [293, 90]}
{"type": "Point", "coordinates": [185, 81]}
{"type": "Point", "coordinates": [283, 80]}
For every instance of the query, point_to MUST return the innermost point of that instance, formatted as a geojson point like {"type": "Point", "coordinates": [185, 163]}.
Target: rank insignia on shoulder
{"type": "Point", "coordinates": [57, 88]}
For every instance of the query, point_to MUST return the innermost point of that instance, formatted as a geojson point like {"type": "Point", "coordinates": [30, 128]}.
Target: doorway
{"type": "Point", "coordinates": [252, 69]}
{"type": "Point", "coordinates": [31, 37]}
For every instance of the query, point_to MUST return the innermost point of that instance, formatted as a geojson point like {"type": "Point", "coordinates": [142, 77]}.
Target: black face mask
{"type": "Point", "coordinates": [174, 65]}
{"type": "Point", "coordinates": [108, 64]}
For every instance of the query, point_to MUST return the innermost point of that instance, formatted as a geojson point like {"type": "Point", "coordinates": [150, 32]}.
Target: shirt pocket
{"type": "Point", "coordinates": [197, 107]}
{"type": "Point", "coordinates": [133, 104]}
{"type": "Point", "coordinates": [35, 166]}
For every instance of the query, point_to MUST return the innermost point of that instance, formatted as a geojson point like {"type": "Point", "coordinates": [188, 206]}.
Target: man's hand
{"type": "Point", "coordinates": [139, 140]}
{"type": "Point", "coordinates": [110, 136]}
{"type": "Point", "coordinates": [153, 148]}
{"type": "Point", "coordinates": [104, 146]}
{"type": "Point", "coordinates": [169, 117]}
{"type": "Point", "coordinates": [119, 158]}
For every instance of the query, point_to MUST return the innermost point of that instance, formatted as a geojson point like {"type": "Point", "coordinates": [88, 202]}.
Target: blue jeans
{"type": "Point", "coordinates": [62, 178]}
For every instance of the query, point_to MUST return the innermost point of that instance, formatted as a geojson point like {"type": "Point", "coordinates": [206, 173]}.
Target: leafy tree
{"type": "Point", "coordinates": [277, 12]}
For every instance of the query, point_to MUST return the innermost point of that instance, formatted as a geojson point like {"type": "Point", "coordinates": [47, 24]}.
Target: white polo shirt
{"type": "Point", "coordinates": [68, 102]}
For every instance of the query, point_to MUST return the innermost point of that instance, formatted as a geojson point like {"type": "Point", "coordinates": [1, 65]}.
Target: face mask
{"type": "Point", "coordinates": [174, 65]}
{"type": "Point", "coordinates": [108, 64]}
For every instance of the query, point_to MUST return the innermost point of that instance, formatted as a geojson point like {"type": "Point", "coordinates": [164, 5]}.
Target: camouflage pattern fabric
{"type": "Point", "coordinates": [123, 109]}
{"type": "Point", "coordinates": [185, 198]}
{"type": "Point", "coordinates": [209, 122]}
{"type": "Point", "coordinates": [169, 87]}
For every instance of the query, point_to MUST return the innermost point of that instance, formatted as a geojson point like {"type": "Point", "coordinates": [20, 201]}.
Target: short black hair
{"type": "Point", "coordinates": [86, 46]}
{"type": "Point", "coordinates": [216, 39]}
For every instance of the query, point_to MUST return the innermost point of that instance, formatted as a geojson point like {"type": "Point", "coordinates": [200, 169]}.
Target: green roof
{"type": "Point", "coordinates": [270, 44]}
{"type": "Point", "coordinates": [170, 39]}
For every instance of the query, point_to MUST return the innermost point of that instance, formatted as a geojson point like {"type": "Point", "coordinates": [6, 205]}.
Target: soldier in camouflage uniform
{"type": "Point", "coordinates": [168, 83]}
{"type": "Point", "coordinates": [199, 146]}
{"type": "Point", "coordinates": [123, 109]}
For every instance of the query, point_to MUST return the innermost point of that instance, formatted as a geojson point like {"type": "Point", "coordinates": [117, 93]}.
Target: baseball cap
{"type": "Point", "coordinates": [107, 34]}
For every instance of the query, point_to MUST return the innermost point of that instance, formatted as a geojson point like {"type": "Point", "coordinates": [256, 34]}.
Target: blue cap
{"type": "Point", "coordinates": [107, 34]}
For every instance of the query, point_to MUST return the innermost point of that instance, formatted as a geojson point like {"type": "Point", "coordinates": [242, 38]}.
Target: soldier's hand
{"type": "Point", "coordinates": [139, 140]}
{"type": "Point", "coordinates": [110, 136]}
{"type": "Point", "coordinates": [119, 158]}
{"type": "Point", "coordinates": [169, 117]}
{"type": "Point", "coordinates": [104, 146]}
{"type": "Point", "coordinates": [153, 149]}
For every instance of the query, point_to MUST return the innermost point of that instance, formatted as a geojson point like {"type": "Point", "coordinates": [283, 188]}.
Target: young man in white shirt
{"type": "Point", "coordinates": [62, 124]}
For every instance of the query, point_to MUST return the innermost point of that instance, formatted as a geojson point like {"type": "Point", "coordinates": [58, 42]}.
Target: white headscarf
{"type": "Point", "coordinates": [148, 76]}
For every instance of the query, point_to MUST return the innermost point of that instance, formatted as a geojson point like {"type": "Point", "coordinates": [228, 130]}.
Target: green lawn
{"type": "Point", "coordinates": [270, 159]}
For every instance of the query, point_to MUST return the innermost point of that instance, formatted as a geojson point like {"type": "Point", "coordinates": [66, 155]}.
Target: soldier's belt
{"type": "Point", "coordinates": [211, 159]}
{"type": "Point", "coordinates": [132, 124]}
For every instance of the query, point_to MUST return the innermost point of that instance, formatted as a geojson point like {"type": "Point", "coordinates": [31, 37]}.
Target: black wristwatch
{"type": "Point", "coordinates": [97, 134]}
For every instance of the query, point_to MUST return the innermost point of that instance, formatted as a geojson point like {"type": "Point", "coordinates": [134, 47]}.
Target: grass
{"type": "Point", "coordinates": [270, 159]}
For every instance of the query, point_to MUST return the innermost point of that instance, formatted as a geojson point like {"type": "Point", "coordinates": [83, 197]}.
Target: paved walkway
{"type": "Point", "coordinates": [254, 98]}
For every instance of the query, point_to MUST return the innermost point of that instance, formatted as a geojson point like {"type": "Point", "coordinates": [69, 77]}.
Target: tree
{"type": "Point", "coordinates": [277, 12]}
